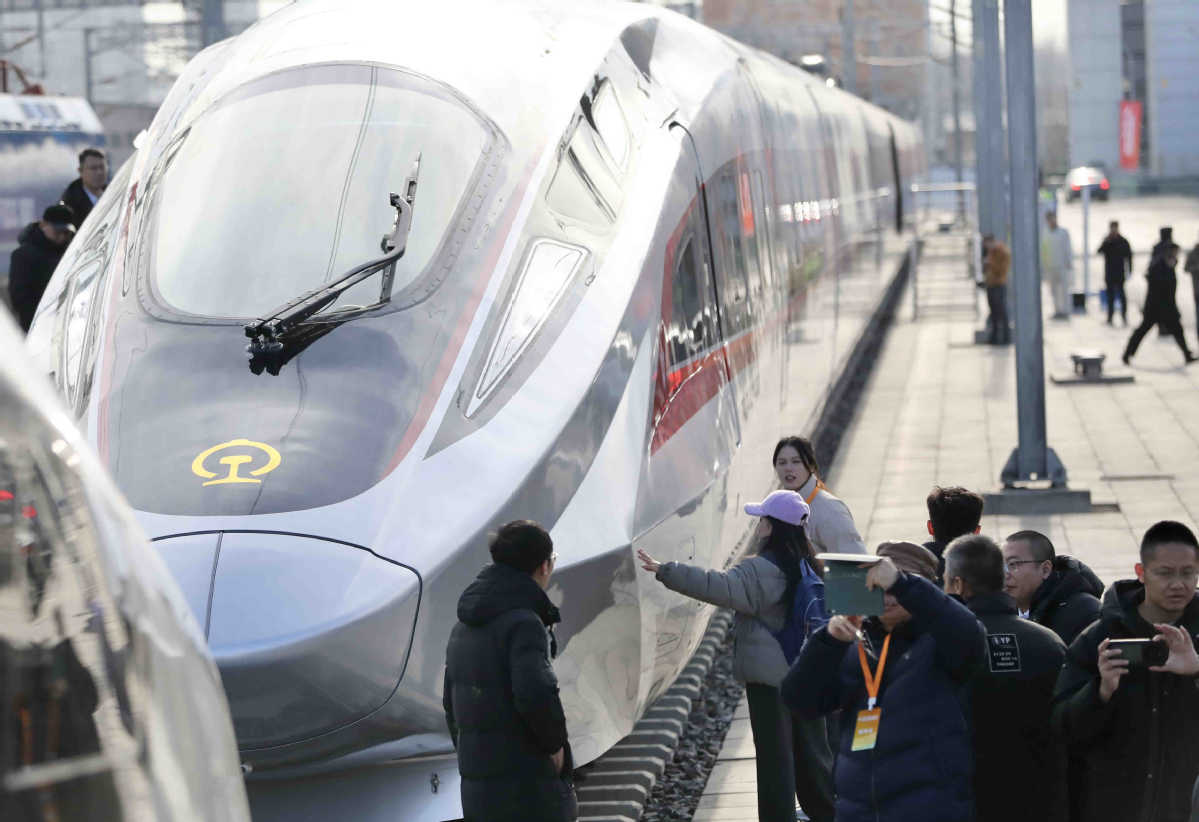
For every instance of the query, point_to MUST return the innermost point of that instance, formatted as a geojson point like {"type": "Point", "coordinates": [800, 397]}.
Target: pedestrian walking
{"type": "Point", "coordinates": [1011, 696]}
{"type": "Point", "coordinates": [996, 262]}
{"type": "Point", "coordinates": [767, 590]}
{"type": "Point", "coordinates": [82, 194]}
{"type": "Point", "coordinates": [1051, 589]}
{"type": "Point", "coordinates": [1191, 266]}
{"type": "Point", "coordinates": [830, 527]}
{"type": "Point", "coordinates": [40, 247]}
{"type": "Point", "coordinates": [1117, 265]}
{"type": "Point", "coordinates": [1057, 265]}
{"type": "Point", "coordinates": [500, 694]}
{"type": "Point", "coordinates": [953, 511]}
{"type": "Point", "coordinates": [1160, 306]}
{"type": "Point", "coordinates": [1136, 718]}
{"type": "Point", "coordinates": [905, 746]}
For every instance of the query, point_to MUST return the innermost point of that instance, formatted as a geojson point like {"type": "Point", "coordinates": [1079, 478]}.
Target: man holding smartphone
{"type": "Point", "coordinates": [1137, 723]}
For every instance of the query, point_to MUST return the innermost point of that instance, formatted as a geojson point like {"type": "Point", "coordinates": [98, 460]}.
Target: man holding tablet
{"type": "Point", "coordinates": [899, 676]}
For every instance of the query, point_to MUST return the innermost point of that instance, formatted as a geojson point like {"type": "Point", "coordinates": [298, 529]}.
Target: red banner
{"type": "Point", "coordinates": [1130, 134]}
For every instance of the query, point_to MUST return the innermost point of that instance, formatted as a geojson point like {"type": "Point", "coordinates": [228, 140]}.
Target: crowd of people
{"type": "Point", "coordinates": [999, 681]}
{"type": "Point", "coordinates": [1057, 268]}
{"type": "Point", "coordinates": [41, 244]}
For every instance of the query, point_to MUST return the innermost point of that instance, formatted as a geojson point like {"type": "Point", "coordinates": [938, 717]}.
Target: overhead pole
{"type": "Point", "coordinates": [41, 39]}
{"type": "Point", "coordinates": [849, 62]}
{"type": "Point", "coordinates": [984, 121]}
{"type": "Point", "coordinates": [1033, 460]}
{"type": "Point", "coordinates": [88, 84]}
{"type": "Point", "coordinates": [991, 139]}
{"type": "Point", "coordinates": [212, 22]}
{"type": "Point", "coordinates": [957, 107]}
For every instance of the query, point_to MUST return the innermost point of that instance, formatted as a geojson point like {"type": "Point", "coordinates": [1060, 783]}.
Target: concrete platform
{"type": "Point", "coordinates": [940, 410]}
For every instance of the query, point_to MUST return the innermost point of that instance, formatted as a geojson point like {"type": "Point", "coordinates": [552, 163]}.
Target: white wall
{"type": "Point", "coordinates": [1172, 77]}
{"type": "Point", "coordinates": [1096, 81]}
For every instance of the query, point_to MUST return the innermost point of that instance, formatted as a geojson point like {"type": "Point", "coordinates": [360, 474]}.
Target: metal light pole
{"type": "Point", "coordinates": [1086, 245]}
{"type": "Point", "coordinates": [995, 136]}
{"type": "Point", "coordinates": [1031, 459]}
{"type": "Point", "coordinates": [989, 143]}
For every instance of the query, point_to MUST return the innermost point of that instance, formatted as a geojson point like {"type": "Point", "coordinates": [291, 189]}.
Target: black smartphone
{"type": "Point", "coordinates": [1142, 652]}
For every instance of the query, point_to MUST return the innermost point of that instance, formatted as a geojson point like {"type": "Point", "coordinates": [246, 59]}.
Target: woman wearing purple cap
{"type": "Point", "coordinates": [761, 589]}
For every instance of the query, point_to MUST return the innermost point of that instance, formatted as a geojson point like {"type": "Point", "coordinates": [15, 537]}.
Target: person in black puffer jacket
{"type": "Point", "coordinates": [1053, 590]}
{"type": "Point", "coordinates": [1011, 695]}
{"type": "Point", "coordinates": [920, 769]}
{"type": "Point", "coordinates": [33, 261]}
{"type": "Point", "coordinates": [1138, 726]}
{"type": "Point", "coordinates": [501, 696]}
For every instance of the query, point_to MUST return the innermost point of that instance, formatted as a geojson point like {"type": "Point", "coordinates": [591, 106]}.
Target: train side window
{"type": "Point", "coordinates": [734, 286]}
{"type": "Point", "coordinates": [764, 232]}
{"type": "Point", "coordinates": [751, 228]}
{"type": "Point", "coordinates": [611, 124]}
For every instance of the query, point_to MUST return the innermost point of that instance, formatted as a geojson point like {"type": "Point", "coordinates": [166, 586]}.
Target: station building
{"type": "Point", "coordinates": [1142, 51]}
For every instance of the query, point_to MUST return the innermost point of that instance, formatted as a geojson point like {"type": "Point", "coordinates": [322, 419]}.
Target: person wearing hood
{"type": "Point", "coordinates": [500, 693]}
{"type": "Point", "coordinates": [1136, 723]}
{"type": "Point", "coordinates": [41, 246]}
{"type": "Point", "coordinates": [901, 679]}
{"type": "Point", "coordinates": [952, 512]}
{"type": "Point", "coordinates": [1011, 696]}
{"type": "Point", "coordinates": [85, 191]}
{"type": "Point", "coordinates": [761, 590]}
{"type": "Point", "coordinates": [1058, 592]}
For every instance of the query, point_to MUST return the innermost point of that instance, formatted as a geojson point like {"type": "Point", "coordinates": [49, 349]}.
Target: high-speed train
{"type": "Point", "coordinates": [112, 707]}
{"type": "Point", "coordinates": [383, 275]}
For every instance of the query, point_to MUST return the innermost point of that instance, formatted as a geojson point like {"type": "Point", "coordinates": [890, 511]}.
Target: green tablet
{"type": "Point", "coordinates": [845, 590]}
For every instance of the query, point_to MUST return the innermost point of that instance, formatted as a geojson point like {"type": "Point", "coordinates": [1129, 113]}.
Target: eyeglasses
{"type": "Point", "coordinates": [1010, 566]}
{"type": "Point", "coordinates": [1190, 575]}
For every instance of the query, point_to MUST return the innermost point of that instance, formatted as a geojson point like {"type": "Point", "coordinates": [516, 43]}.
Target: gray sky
{"type": "Point", "coordinates": [1049, 21]}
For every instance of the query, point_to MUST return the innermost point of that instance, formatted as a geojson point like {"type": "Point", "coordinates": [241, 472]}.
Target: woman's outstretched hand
{"type": "Point", "coordinates": [647, 562]}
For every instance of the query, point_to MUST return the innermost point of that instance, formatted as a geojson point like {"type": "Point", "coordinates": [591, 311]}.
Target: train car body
{"type": "Point", "coordinates": [113, 708]}
{"type": "Point", "coordinates": [639, 253]}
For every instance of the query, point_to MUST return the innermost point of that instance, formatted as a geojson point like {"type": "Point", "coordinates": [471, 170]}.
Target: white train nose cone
{"type": "Point", "coordinates": [309, 635]}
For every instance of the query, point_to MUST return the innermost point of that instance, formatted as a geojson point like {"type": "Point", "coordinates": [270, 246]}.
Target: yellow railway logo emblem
{"type": "Point", "coordinates": [234, 462]}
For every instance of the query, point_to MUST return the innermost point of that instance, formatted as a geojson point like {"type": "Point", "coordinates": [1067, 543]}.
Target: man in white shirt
{"type": "Point", "coordinates": [1057, 265]}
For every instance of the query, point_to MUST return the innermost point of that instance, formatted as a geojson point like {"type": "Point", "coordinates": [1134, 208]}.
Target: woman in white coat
{"type": "Point", "coordinates": [830, 527]}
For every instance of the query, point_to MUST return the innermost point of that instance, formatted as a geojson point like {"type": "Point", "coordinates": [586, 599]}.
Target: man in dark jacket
{"type": "Point", "coordinates": [501, 696]}
{"type": "Point", "coordinates": [33, 261]}
{"type": "Point", "coordinates": [1160, 306]}
{"type": "Point", "coordinates": [1011, 696]}
{"type": "Point", "coordinates": [952, 512]}
{"type": "Point", "coordinates": [85, 190]}
{"type": "Point", "coordinates": [1138, 725]}
{"type": "Point", "coordinates": [1058, 592]}
{"type": "Point", "coordinates": [924, 649]}
{"type": "Point", "coordinates": [1117, 265]}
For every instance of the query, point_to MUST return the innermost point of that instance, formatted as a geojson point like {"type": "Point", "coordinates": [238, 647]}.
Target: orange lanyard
{"type": "Point", "coordinates": [873, 682]}
{"type": "Point", "coordinates": [820, 486]}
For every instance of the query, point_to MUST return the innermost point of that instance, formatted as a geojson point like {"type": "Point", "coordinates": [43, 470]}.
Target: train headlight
{"type": "Point", "coordinates": [549, 267]}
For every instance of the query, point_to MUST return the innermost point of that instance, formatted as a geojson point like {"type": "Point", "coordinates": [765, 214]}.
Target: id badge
{"type": "Point", "coordinates": [865, 732]}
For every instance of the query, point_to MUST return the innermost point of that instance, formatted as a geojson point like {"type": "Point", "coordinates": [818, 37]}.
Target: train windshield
{"type": "Point", "coordinates": [285, 184]}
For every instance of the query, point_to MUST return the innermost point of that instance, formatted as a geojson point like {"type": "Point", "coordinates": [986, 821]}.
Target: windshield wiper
{"type": "Point", "coordinates": [268, 335]}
